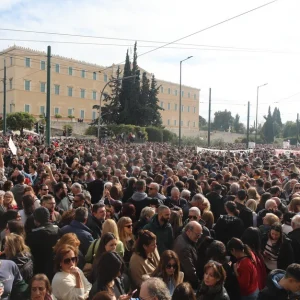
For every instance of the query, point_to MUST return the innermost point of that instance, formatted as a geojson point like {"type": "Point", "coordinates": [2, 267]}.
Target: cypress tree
{"type": "Point", "coordinates": [154, 108]}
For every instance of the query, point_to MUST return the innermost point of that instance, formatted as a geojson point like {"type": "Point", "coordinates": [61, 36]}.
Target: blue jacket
{"type": "Point", "coordinates": [83, 233]}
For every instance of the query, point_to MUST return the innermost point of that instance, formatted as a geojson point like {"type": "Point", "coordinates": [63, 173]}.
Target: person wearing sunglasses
{"type": "Point", "coordinates": [126, 237]}
{"type": "Point", "coordinates": [168, 270]}
{"type": "Point", "coordinates": [69, 282]}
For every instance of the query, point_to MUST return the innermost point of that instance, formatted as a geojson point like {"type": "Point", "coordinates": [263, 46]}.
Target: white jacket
{"type": "Point", "coordinates": [63, 287]}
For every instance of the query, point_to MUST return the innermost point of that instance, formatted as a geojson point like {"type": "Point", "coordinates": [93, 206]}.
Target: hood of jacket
{"type": "Point", "coordinates": [138, 196]}
{"type": "Point", "coordinates": [273, 281]}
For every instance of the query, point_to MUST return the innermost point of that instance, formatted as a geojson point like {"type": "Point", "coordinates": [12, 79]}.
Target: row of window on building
{"type": "Point", "coordinates": [56, 111]}
{"type": "Point", "coordinates": [175, 123]}
{"type": "Point", "coordinates": [71, 70]}
{"type": "Point", "coordinates": [186, 109]}
{"type": "Point", "coordinates": [57, 90]}
{"type": "Point", "coordinates": [175, 92]}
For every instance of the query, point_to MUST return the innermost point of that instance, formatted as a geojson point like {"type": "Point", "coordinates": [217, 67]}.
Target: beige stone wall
{"type": "Point", "coordinates": [34, 100]}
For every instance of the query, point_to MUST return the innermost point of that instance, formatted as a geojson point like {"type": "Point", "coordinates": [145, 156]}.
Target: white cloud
{"type": "Point", "coordinates": [233, 76]}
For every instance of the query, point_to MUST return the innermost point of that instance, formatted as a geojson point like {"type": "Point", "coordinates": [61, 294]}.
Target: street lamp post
{"type": "Point", "coordinates": [257, 110]}
{"type": "Point", "coordinates": [179, 141]}
{"type": "Point", "coordinates": [101, 95]}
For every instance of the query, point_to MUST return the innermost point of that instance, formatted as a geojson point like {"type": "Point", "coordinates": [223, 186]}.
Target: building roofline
{"type": "Point", "coordinates": [15, 47]}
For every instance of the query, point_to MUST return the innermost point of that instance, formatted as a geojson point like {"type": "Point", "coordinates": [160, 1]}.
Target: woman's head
{"type": "Point", "coordinates": [40, 287]}
{"type": "Point", "coordinates": [28, 204]}
{"type": "Point", "coordinates": [104, 295]}
{"type": "Point", "coordinates": [251, 237]}
{"type": "Point", "coordinates": [253, 194]}
{"type": "Point", "coordinates": [214, 274]}
{"type": "Point", "coordinates": [14, 244]}
{"type": "Point", "coordinates": [113, 265]}
{"type": "Point", "coordinates": [294, 205]}
{"type": "Point", "coordinates": [184, 291]}
{"type": "Point", "coordinates": [65, 258]}
{"type": "Point", "coordinates": [9, 199]}
{"type": "Point", "coordinates": [145, 243]}
{"type": "Point", "coordinates": [275, 233]}
{"type": "Point", "coordinates": [17, 227]}
{"type": "Point", "coordinates": [108, 243]}
{"type": "Point", "coordinates": [235, 246]}
{"type": "Point", "coordinates": [125, 229]}
{"type": "Point", "coordinates": [169, 266]}
{"type": "Point", "coordinates": [110, 226]}
{"type": "Point", "coordinates": [216, 251]}
{"type": "Point", "coordinates": [231, 208]}
{"type": "Point", "coordinates": [252, 204]}
{"type": "Point", "coordinates": [67, 239]}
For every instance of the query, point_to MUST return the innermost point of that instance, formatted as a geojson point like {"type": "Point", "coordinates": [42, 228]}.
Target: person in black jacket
{"type": "Point", "coordinates": [245, 212]}
{"type": "Point", "coordinates": [96, 187]}
{"type": "Point", "coordinates": [41, 241]}
{"type": "Point", "coordinates": [295, 237]}
{"type": "Point", "coordinates": [96, 219]}
{"type": "Point", "coordinates": [216, 201]}
{"type": "Point", "coordinates": [282, 285]}
{"type": "Point", "coordinates": [230, 225]}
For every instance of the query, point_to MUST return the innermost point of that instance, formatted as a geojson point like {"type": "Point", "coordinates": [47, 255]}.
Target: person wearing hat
{"type": "Point", "coordinates": [41, 241]}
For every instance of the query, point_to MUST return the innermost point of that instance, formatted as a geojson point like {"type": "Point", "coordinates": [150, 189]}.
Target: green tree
{"type": "Point", "coordinates": [145, 114]}
{"type": "Point", "coordinates": [125, 92]}
{"type": "Point", "coordinates": [153, 105]}
{"type": "Point", "coordinates": [236, 123]}
{"type": "Point", "coordinates": [20, 121]}
{"type": "Point", "coordinates": [289, 129]}
{"type": "Point", "coordinates": [223, 120]}
{"type": "Point", "coordinates": [57, 116]}
{"type": "Point", "coordinates": [268, 128]}
{"type": "Point", "coordinates": [111, 110]}
{"type": "Point", "coordinates": [202, 122]}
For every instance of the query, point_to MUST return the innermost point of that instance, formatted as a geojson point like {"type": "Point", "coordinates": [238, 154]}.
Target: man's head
{"type": "Point", "coordinates": [295, 222]}
{"type": "Point", "coordinates": [99, 211]}
{"type": "Point", "coordinates": [271, 205]}
{"type": "Point", "coordinates": [78, 200]}
{"type": "Point", "coordinates": [135, 171]}
{"type": "Point", "coordinates": [76, 188]}
{"type": "Point", "coordinates": [275, 191]}
{"type": "Point", "coordinates": [44, 189]}
{"type": "Point", "coordinates": [153, 189]}
{"type": "Point", "coordinates": [241, 195]}
{"type": "Point", "coordinates": [81, 214]}
{"type": "Point", "coordinates": [194, 214]}
{"type": "Point", "coordinates": [164, 214]}
{"type": "Point", "coordinates": [140, 185]}
{"type": "Point", "coordinates": [41, 216]}
{"type": "Point", "coordinates": [155, 289]}
{"type": "Point", "coordinates": [48, 201]}
{"type": "Point", "coordinates": [292, 278]}
{"type": "Point", "coordinates": [20, 179]}
{"type": "Point", "coordinates": [175, 194]}
{"type": "Point", "coordinates": [193, 230]}
{"type": "Point", "coordinates": [186, 194]}
{"type": "Point", "coordinates": [61, 190]}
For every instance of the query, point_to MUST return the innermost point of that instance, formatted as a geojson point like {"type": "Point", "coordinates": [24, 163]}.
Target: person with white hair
{"type": "Point", "coordinates": [295, 237]}
{"type": "Point", "coordinates": [154, 288]}
{"type": "Point", "coordinates": [270, 207]}
{"type": "Point", "coordinates": [186, 194]}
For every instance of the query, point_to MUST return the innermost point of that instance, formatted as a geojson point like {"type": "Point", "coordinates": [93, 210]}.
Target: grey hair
{"type": "Point", "coordinates": [157, 288]}
{"type": "Point", "coordinates": [81, 214]}
{"type": "Point", "coordinates": [234, 188]}
{"type": "Point", "coordinates": [175, 189]}
{"type": "Point", "coordinates": [296, 222]}
{"type": "Point", "coordinates": [198, 198]}
{"type": "Point", "coordinates": [185, 193]}
{"type": "Point", "coordinates": [156, 185]}
{"type": "Point", "coordinates": [269, 203]}
{"type": "Point", "coordinates": [76, 185]}
{"type": "Point", "coordinates": [196, 210]}
{"type": "Point", "coordinates": [147, 212]}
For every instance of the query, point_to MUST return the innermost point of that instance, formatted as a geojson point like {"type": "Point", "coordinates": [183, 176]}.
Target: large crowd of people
{"type": "Point", "coordinates": [83, 220]}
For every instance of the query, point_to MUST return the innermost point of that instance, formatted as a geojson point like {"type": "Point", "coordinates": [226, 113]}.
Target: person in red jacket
{"type": "Point", "coordinates": [244, 268]}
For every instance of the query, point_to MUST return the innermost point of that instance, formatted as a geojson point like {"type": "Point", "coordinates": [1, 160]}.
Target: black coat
{"type": "Point", "coordinates": [95, 226]}
{"type": "Point", "coordinates": [245, 215]}
{"type": "Point", "coordinates": [41, 241]}
{"type": "Point", "coordinates": [217, 292]}
{"type": "Point", "coordinates": [295, 238]}
{"type": "Point", "coordinates": [216, 204]}
{"type": "Point", "coordinates": [96, 190]}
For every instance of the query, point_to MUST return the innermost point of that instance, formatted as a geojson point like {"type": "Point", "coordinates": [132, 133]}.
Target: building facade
{"type": "Point", "coordinates": [76, 87]}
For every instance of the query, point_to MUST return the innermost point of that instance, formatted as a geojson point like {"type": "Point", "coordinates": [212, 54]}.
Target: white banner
{"type": "Point", "coordinates": [12, 146]}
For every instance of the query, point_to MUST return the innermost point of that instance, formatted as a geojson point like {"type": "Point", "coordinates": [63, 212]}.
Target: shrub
{"type": "Point", "coordinates": [154, 134]}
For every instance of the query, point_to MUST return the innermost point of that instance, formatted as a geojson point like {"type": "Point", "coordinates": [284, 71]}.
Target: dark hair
{"type": "Point", "coordinates": [97, 206]}
{"type": "Point", "coordinates": [28, 204]}
{"type": "Point", "coordinates": [145, 237]}
{"type": "Point", "coordinates": [231, 207]}
{"type": "Point", "coordinates": [237, 244]}
{"type": "Point", "coordinates": [287, 217]}
{"type": "Point", "coordinates": [184, 291]}
{"type": "Point", "coordinates": [160, 271]}
{"type": "Point", "coordinates": [112, 263]}
{"type": "Point", "coordinates": [251, 237]}
{"type": "Point", "coordinates": [20, 178]}
{"type": "Point", "coordinates": [104, 295]}
{"type": "Point", "coordinates": [128, 210]}
{"type": "Point", "coordinates": [106, 238]}
{"type": "Point", "coordinates": [16, 227]}
{"type": "Point", "coordinates": [216, 251]}
{"type": "Point", "coordinates": [241, 195]}
{"type": "Point", "coordinates": [7, 186]}
{"type": "Point", "coordinates": [293, 271]}
{"type": "Point", "coordinates": [277, 227]}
